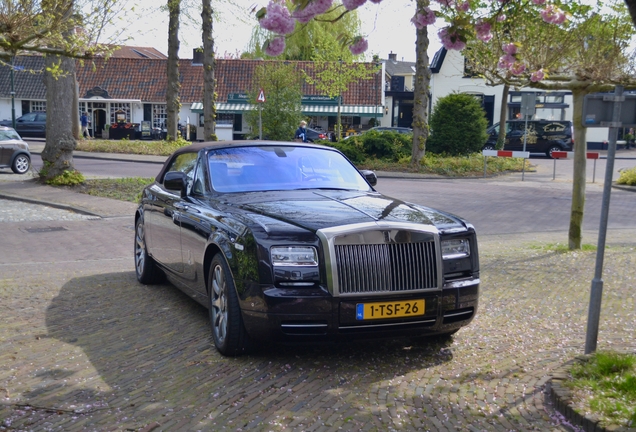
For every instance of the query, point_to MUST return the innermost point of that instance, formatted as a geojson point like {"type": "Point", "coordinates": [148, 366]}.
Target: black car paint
{"type": "Point", "coordinates": [244, 227]}
{"type": "Point", "coordinates": [31, 124]}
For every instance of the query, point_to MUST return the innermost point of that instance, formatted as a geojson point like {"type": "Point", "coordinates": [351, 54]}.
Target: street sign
{"type": "Point", "coordinates": [598, 110]}
{"type": "Point", "coordinates": [528, 102]}
{"type": "Point", "coordinates": [261, 96]}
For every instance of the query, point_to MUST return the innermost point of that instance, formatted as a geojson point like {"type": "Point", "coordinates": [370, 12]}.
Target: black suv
{"type": "Point", "coordinates": [31, 124]}
{"type": "Point", "coordinates": [14, 153]}
{"type": "Point", "coordinates": [543, 136]}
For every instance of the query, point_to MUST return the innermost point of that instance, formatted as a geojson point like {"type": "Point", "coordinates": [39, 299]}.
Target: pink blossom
{"type": "Point", "coordinates": [501, 17]}
{"type": "Point", "coordinates": [275, 47]}
{"type": "Point", "coordinates": [482, 28]}
{"type": "Point", "coordinates": [359, 45]}
{"type": "Point", "coordinates": [462, 7]}
{"type": "Point", "coordinates": [510, 48]}
{"type": "Point", "coordinates": [446, 3]}
{"type": "Point", "coordinates": [353, 4]}
{"type": "Point", "coordinates": [451, 41]}
{"type": "Point", "coordinates": [553, 15]}
{"type": "Point", "coordinates": [375, 1]}
{"type": "Point", "coordinates": [537, 75]}
{"type": "Point", "coordinates": [314, 8]}
{"type": "Point", "coordinates": [425, 19]}
{"type": "Point", "coordinates": [277, 19]}
{"type": "Point", "coordinates": [517, 68]}
{"type": "Point", "coordinates": [538, 2]}
{"type": "Point", "coordinates": [505, 61]}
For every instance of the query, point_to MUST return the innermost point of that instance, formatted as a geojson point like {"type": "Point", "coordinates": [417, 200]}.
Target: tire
{"type": "Point", "coordinates": [551, 149]}
{"type": "Point", "coordinates": [21, 164]}
{"type": "Point", "coordinates": [145, 266]}
{"type": "Point", "coordinates": [226, 322]}
{"type": "Point", "coordinates": [488, 147]}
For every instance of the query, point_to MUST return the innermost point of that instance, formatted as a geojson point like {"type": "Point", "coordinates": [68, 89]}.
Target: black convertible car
{"type": "Point", "coordinates": [290, 242]}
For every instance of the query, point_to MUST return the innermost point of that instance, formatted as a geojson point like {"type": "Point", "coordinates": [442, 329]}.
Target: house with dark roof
{"type": "Point", "coordinates": [399, 92]}
{"type": "Point", "coordinates": [131, 88]}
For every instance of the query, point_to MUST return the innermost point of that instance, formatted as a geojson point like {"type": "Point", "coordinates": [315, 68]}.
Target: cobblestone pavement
{"type": "Point", "coordinates": [83, 346]}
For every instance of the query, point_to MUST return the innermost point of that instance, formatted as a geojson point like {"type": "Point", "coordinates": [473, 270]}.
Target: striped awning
{"type": "Point", "coordinates": [325, 110]}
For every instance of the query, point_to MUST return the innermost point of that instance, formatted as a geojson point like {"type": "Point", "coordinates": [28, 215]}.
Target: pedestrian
{"type": "Point", "coordinates": [301, 132]}
{"type": "Point", "coordinates": [85, 122]}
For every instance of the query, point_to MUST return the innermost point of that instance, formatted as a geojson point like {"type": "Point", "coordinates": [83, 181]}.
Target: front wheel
{"type": "Point", "coordinates": [145, 266]}
{"type": "Point", "coordinates": [552, 149]}
{"type": "Point", "coordinates": [21, 164]}
{"type": "Point", "coordinates": [228, 331]}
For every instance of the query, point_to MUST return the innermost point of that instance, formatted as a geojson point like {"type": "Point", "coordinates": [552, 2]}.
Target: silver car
{"type": "Point", "coordinates": [14, 152]}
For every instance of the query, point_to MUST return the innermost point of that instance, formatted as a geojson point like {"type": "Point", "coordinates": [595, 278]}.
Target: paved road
{"type": "Point", "coordinates": [83, 346]}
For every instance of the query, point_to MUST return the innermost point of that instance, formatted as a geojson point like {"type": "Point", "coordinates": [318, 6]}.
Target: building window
{"type": "Point", "coordinates": [38, 106]}
{"type": "Point", "coordinates": [116, 110]}
{"type": "Point", "coordinates": [159, 115]}
{"type": "Point", "coordinates": [225, 118]}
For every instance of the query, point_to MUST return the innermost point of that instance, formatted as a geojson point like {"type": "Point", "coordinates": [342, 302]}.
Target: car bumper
{"type": "Point", "coordinates": [319, 316]}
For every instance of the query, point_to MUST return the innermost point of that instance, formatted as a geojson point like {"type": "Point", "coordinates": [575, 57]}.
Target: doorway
{"type": "Point", "coordinates": [99, 121]}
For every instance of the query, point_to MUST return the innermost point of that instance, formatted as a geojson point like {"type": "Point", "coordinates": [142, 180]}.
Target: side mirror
{"type": "Point", "coordinates": [176, 181]}
{"type": "Point", "coordinates": [370, 176]}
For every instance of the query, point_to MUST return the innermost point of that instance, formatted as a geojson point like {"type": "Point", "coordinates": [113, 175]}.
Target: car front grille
{"type": "Point", "coordinates": [375, 259]}
{"type": "Point", "coordinates": [387, 268]}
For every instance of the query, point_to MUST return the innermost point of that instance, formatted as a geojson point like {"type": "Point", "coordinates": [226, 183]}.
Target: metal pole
{"type": "Point", "coordinates": [485, 163]}
{"type": "Point", "coordinates": [523, 170]}
{"type": "Point", "coordinates": [594, 172]}
{"type": "Point", "coordinates": [260, 121]}
{"type": "Point", "coordinates": [12, 95]}
{"type": "Point", "coordinates": [596, 291]}
{"type": "Point", "coordinates": [554, 170]}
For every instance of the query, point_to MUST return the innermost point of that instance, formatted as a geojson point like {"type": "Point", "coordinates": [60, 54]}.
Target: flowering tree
{"type": "Point", "coordinates": [582, 50]}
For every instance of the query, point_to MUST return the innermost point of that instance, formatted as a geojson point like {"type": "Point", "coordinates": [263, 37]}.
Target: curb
{"type": "Point", "coordinates": [561, 398]}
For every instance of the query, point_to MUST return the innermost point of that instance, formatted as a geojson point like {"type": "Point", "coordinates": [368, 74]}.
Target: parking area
{"type": "Point", "coordinates": [83, 346]}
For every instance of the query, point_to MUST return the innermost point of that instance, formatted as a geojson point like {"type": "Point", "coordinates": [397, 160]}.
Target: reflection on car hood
{"type": "Point", "coordinates": [314, 210]}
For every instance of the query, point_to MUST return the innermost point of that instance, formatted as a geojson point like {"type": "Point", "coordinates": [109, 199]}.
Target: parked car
{"type": "Point", "coordinates": [32, 124]}
{"type": "Point", "coordinates": [290, 242]}
{"type": "Point", "coordinates": [402, 130]}
{"type": "Point", "coordinates": [543, 136]}
{"type": "Point", "coordinates": [14, 152]}
{"type": "Point", "coordinates": [314, 135]}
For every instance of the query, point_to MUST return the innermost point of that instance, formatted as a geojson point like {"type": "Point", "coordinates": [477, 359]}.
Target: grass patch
{"type": "Point", "coordinates": [451, 166]}
{"type": "Point", "coordinates": [124, 189]}
{"type": "Point", "coordinates": [563, 248]}
{"type": "Point", "coordinates": [608, 381]}
{"type": "Point", "coordinates": [627, 177]}
{"type": "Point", "coordinates": [142, 147]}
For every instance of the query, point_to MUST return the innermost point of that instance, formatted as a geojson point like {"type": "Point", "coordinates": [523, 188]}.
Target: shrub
{"type": "Point", "coordinates": [351, 149]}
{"type": "Point", "coordinates": [67, 178]}
{"type": "Point", "coordinates": [627, 177]}
{"type": "Point", "coordinates": [458, 126]}
{"type": "Point", "coordinates": [390, 146]}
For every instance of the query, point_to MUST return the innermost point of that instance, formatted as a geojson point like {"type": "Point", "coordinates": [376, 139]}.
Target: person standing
{"type": "Point", "coordinates": [301, 132]}
{"type": "Point", "coordinates": [84, 121]}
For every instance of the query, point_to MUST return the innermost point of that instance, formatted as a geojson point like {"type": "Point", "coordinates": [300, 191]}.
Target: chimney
{"type": "Point", "coordinates": [392, 56]}
{"type": "Point", "coordinates": [197, 56]}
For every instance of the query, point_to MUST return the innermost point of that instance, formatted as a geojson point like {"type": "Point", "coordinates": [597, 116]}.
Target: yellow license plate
{"type": "Point", "coordinates": [396, 309]}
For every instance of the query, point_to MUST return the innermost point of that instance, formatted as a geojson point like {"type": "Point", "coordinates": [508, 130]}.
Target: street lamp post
{"type": "Point", "coordinates": [377, 85]}
{"type": "Point", "coordinates": [12, 95]}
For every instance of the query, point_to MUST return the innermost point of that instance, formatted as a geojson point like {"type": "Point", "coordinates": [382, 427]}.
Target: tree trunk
{"type": "Point", "coordinates": [578, 178]}
{"type": "Point", "coordinates": [503, 116]}
{"type": "Point", "coordinates": [209, 82]}
{"type": "Point", "coordinates": [422, 82]}
{"type": "Point", "coordinates": [173, 105]}
{"type": "Point", "coordinates": [60, 143]}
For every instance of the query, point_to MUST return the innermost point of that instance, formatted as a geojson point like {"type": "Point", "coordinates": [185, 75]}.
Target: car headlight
{"type": "Point", "coordinates": [455, 248]}
{"type": "Point", "coordinates": [294, 256]}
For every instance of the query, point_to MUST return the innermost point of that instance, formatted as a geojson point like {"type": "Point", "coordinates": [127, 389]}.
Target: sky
{"type": "Point", "coordinates": [387, 26]}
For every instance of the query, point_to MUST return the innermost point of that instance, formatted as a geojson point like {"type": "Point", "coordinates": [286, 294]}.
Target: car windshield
{"type": "Point", "coordinates": [7, 135]}
{"type": "Point", "coordinates": [251, 169]}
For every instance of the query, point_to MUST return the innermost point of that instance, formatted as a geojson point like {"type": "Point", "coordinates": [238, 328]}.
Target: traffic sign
{"type": "Point", "coordinates": [261, 96]}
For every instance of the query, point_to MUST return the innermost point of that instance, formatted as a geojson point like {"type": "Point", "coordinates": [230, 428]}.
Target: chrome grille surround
{"type": "Point", "coordinates": [376, 258]}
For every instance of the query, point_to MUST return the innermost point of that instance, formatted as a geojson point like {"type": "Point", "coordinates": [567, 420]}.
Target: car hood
{"type": "Point", "coordinates": [313, 210]}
